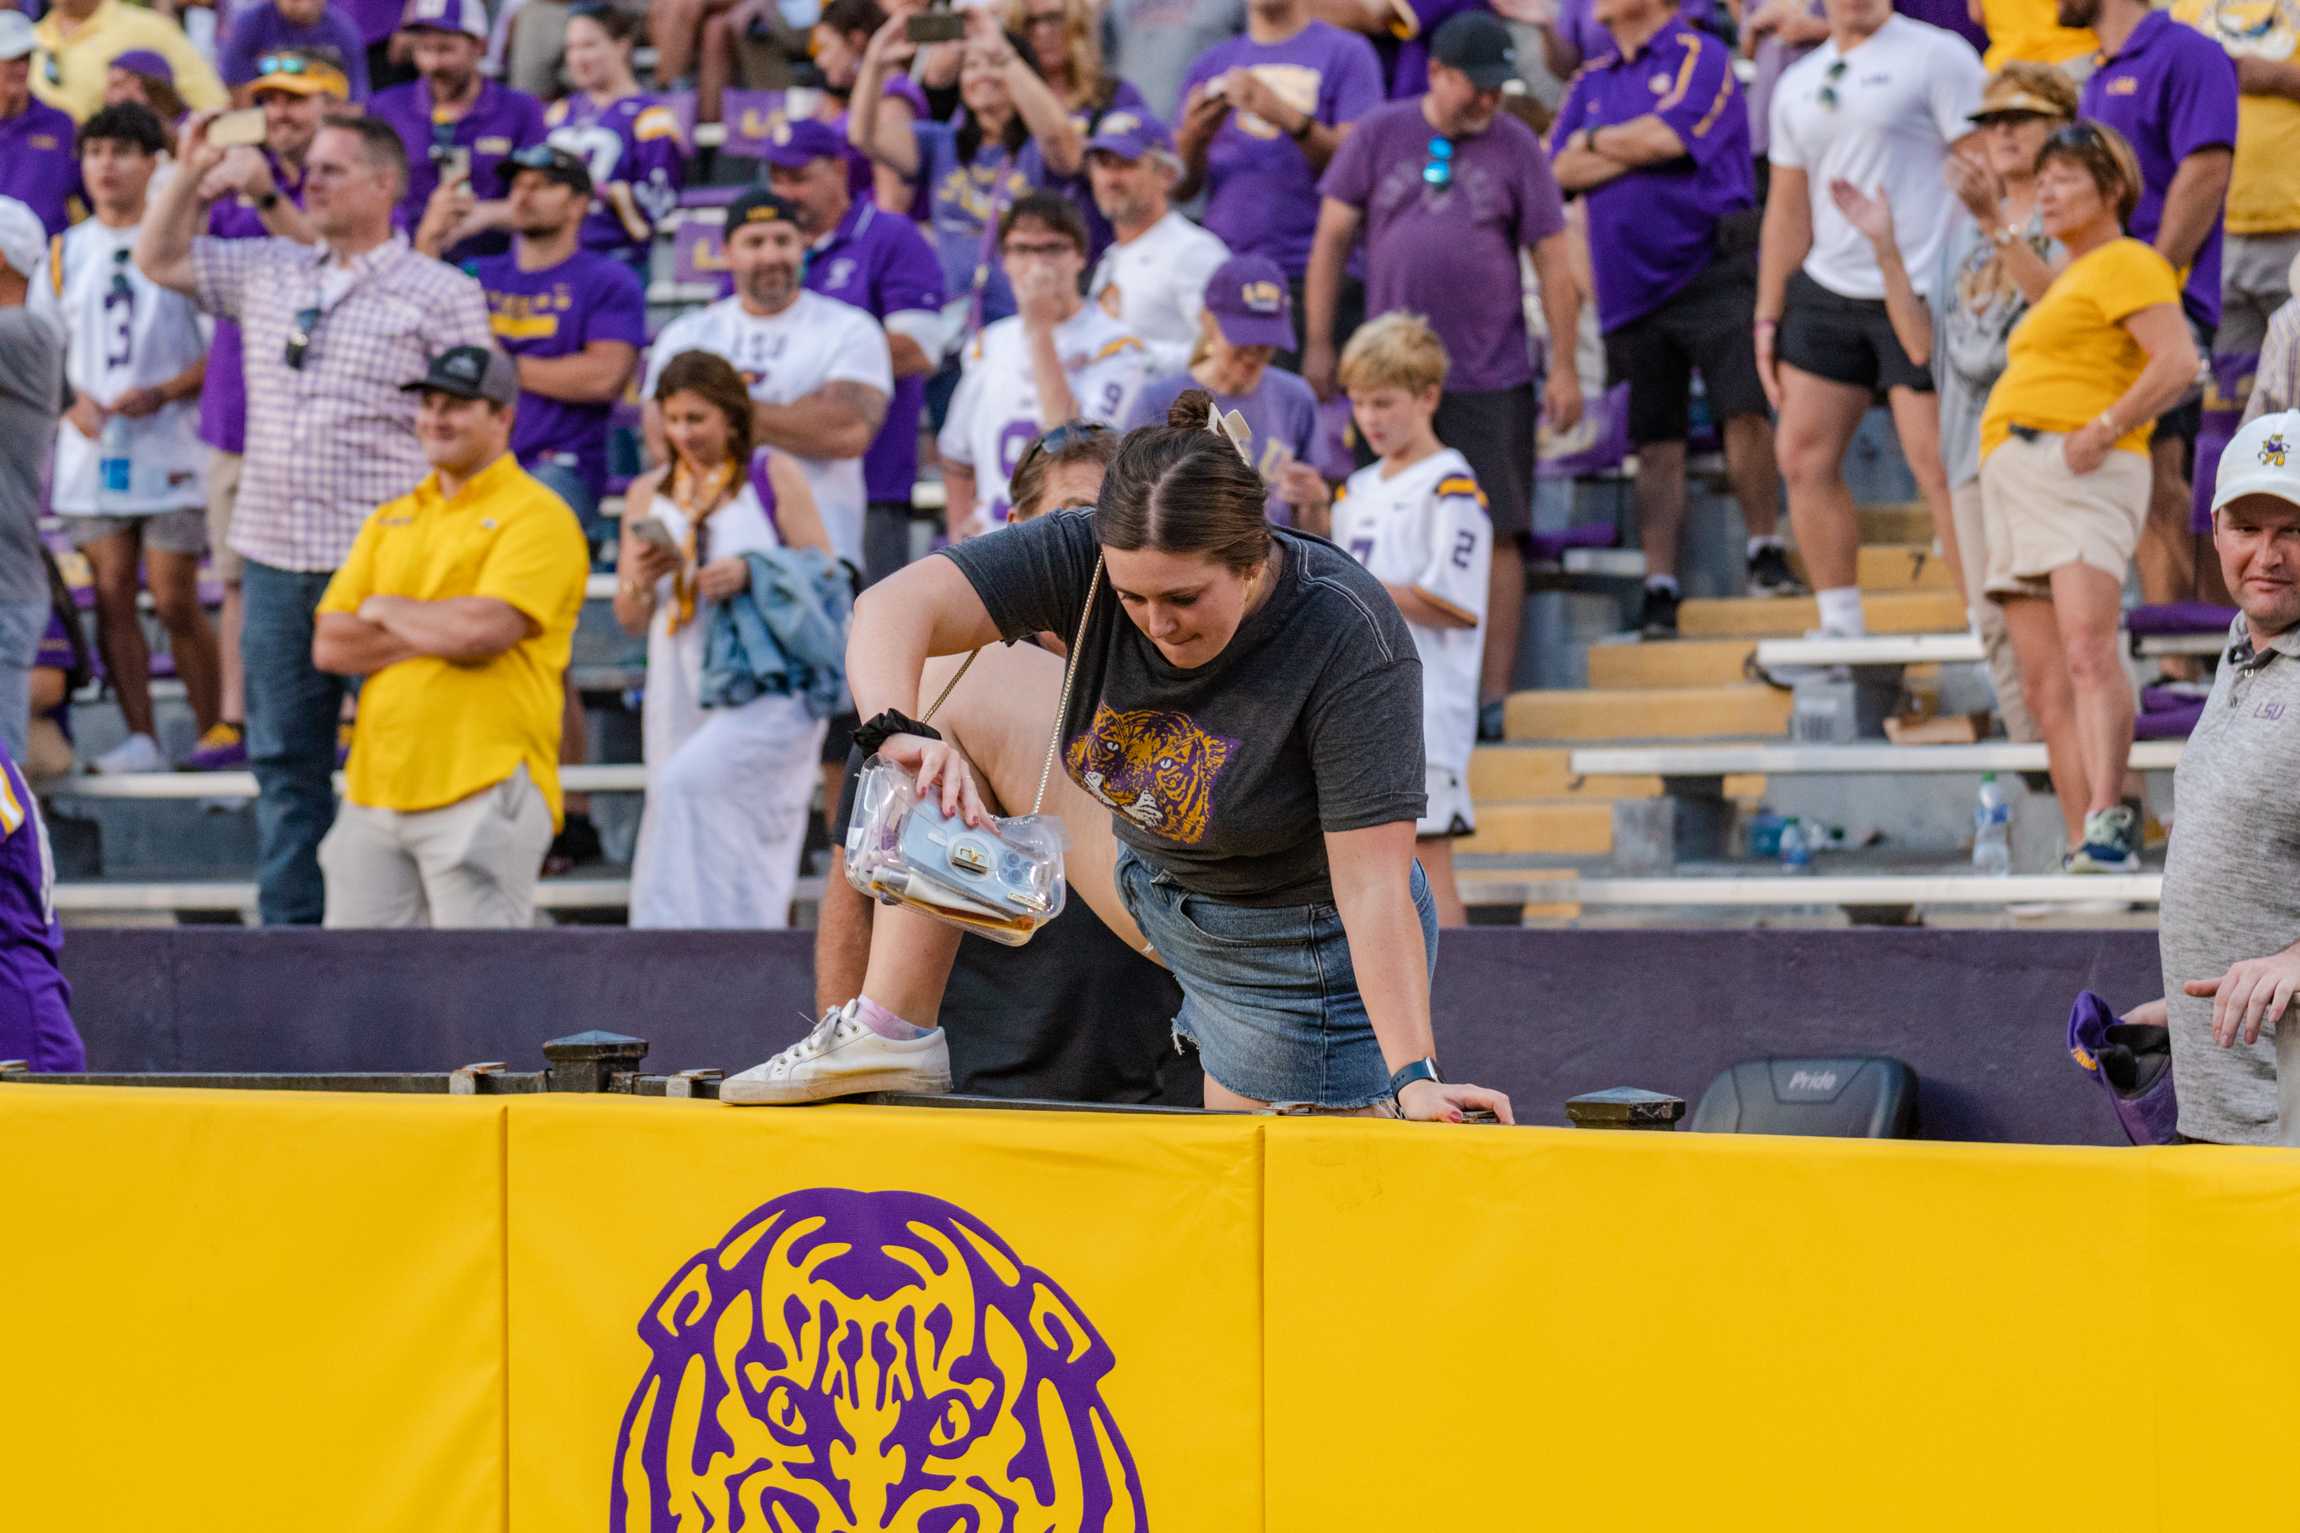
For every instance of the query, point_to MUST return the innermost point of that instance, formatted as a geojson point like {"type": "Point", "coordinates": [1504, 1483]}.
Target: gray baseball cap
{"type": "Point", "coordinates": [17, 39]}
{"type": "Point", "coordinates": [22, 238]}
{"type": "Point", "coordinates": [470, 372]}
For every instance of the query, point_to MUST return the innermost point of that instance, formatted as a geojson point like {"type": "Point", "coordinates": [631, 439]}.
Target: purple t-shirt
{"type": "Point", "coordinates": [2170, 91]}
{"type": "Point", "coordinates": [1577, 26]}
{"type": "Point", "coordinates": [1950, 15]}
{"type": "Point", "coordinates": [883, 265]}
{"type": "Point", "coordinates": [35, 1000]}
{"type": "Point", "coordinates": [375, 19]}
{"type": "Point", "coordinates": [1261, 194]}
{"type": "Point", "coordinates": [500, 122]}
{"type": "Point", "coordinates": [261, 29]}
{"type": "Point", "coordinates": [556, 312]}
{"type": "Point", "coordinates": [964, 201]}
{"type": "Point", "coordinates": [862, 175]}
{"type": "Point", "coordinates": [635, 141]}
{"type": "Point", "coordinates": [224, 390]}
{"type": "Point", "coordinates": [1282, 412]}
{"type": "Point", "coordinates": [1654, 230]}
{"type": "Point", "coordinates": [37, 165]}
{"type": "Point", "coordinates": [1451, 252]}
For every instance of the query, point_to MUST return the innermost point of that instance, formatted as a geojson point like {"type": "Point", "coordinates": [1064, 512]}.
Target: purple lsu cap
{"type": "Point", "coordinates": [468, 17]}
{"type": "Point", "coordinates": [796, 145]}
{"type": "Point", "coordinates": [1131, 136]}
{"type": "Point", "coordinates": [1248, 298]}
{"type": "Point", "coordinates": [143, 61]}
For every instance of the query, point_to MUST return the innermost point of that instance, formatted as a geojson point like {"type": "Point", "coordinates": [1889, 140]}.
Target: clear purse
{"type": "Point", "coordinates": [1004, 882]}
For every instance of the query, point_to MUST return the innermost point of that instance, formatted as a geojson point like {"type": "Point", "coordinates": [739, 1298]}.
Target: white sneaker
{"type": "Point", "coordinates": [137, 753]}
{"type": "Point", "coordinates": [842, 1057]}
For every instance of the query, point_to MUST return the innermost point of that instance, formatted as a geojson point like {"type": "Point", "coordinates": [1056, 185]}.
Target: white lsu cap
{"type": "Point", "coordinates": [2264, 459]}
{"type": "Point", "coordinates": [17, 39]}
{"type": "Point", "coordinates": [23, 241]}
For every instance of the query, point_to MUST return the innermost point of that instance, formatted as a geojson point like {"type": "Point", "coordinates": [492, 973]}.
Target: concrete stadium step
{"type": "Point", "coordinates": [1941, 611]}
{"type": "Point", "coordinates": [1560, 827]}
{"type": "Point", "coordinates": [1659, 713]}
{"type": "Point", "coordinates": [1517, 774]}
{"type": "Point", "coordinates": [1670, 663]}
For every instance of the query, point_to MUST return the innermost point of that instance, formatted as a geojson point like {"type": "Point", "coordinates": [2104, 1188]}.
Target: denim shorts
{"type": "Point", "coordinates": [1268, 994]}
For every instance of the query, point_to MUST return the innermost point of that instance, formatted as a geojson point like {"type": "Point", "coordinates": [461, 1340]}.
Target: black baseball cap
{"type": "Point", "coordinates": [760, 206]}
{"type": "Point", "coordinates": [470, 372]}
{"type": "Point", "coordinates": [1479, 45]}
{"type": "Point", "coordinates": [566, 169]}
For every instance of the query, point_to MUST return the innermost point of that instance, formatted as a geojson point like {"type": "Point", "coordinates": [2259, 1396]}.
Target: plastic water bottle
{"type": "Point", "coordinates": [1992, 829]}
{"type": "Point", "coordinates": [114, 471]}
{"type": "Point", "coordinates": [1796, 847]}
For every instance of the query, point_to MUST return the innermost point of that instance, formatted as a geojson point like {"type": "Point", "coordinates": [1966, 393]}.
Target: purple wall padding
{"type": "Point", "coordinates": [1543, 1015]}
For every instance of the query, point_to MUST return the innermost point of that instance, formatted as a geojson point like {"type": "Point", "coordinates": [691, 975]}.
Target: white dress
{"type": "Point", "coordinates": [728, 789]}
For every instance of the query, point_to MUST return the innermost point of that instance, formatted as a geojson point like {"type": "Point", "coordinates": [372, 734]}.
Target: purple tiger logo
{"type": "Point", "coordinates": [845, 1361]}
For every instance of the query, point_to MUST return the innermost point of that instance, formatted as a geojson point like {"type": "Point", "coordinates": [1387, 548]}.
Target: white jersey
{"type": "Point", "coordinates": [1882, 117]}
{"type": "Point", "coordinates": [1426, 528]}
{"type": "Point", "coordinates": [1155, 285]}
{"type": "Point", "coordinates": [994, 414]}
{"type": "Point", "coordinates": [813, 342]}
{"type": "Point", "coordinates": [122, 331]}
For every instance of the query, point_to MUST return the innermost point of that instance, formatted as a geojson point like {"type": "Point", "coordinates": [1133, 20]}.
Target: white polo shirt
{"type": "Point", "coordinates": [1155, 285]}
{"type": "Point", "coordinates": [1881, 116]}
{"type": "Point", "coordinates": [784, 357]}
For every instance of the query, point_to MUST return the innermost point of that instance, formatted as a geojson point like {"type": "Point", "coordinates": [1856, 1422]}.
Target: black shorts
{"type": "Point", "coordinates": [2186, 418]}
{"type": "Point", "coordinates": [1703, 325]}
{"type": "Point", "coordinates": [1495, 431]}
{"type": "Point", "coordinates": [1845, 340]}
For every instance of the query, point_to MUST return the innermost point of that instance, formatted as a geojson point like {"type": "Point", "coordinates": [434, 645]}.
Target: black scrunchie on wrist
{"type": "Point", "coordinates": [875, 732]}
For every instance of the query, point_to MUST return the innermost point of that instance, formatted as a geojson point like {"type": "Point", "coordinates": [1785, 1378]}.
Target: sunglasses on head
{"type": "Point", "coordinates": [1439, 171]}
{"type": "Point", "coordinates": [299, 337]}
{"type": "Point", "coordinates": [1060, 439]}
{"type": "Point", "coordinates": [287, 64]}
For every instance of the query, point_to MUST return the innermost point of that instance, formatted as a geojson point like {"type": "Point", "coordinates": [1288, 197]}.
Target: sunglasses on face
{"type": "Point", "coordinates": [299, 337]}
{"type": "Point", "coordinates": [1048, 249]}
{"type": "Point", "coordinates": [1439, 171]}
{"type": "Point", "coordinates": [1835, 72]}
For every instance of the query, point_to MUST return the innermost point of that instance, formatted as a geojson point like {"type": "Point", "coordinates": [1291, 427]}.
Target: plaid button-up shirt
{"type": "Point", "coordinates": [330, 441]}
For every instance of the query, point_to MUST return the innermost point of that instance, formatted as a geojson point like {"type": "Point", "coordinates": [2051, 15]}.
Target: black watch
{"type": "Point", "coordinates": [1309, 121]}
{"type": "Point", "coordinates": [1424, 1069]}
{"type": "Point", "coordinates": [267, 202]}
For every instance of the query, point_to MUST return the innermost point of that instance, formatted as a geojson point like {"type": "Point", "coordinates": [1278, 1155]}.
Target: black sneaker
{"type": "Point", "coordinates": [576, 843]}
{"type": "Point", "coordinates": [1770, 575]}
{"type": "Point", "coordinates": [1658, 620]}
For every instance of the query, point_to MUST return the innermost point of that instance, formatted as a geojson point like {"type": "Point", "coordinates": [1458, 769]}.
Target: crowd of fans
{"type": "Point", "coordinates": [2053, 237]}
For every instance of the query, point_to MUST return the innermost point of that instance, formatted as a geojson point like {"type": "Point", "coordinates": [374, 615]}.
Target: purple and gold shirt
{"type": "Point", "coordinates": [2170, 91]}
{"type": "Point", "coordinates": [557, 311]}
{"type": "Point", "coordinates": [1654, 230]}
{"type": "Point", "coordinates": [499, 123]}
{"type": "Point", "coordinates": [635, 141]}
{"type": "Point", "coordinates": [883, 265]}
{"type": "Point", "coordinates": [37, 165]}
{"type": "Point", "coordinates": [35, 1000]}
{"type": "Point", "coordinates": [1261, 194]}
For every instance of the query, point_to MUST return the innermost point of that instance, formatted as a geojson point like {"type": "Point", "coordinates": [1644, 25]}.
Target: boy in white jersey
{"type": "Point", "coordinates": [1417, 520]}
{"type": "Point", "coordinates": [1057, 359]}
{"type": "Point", "coordinates": [130, 469]}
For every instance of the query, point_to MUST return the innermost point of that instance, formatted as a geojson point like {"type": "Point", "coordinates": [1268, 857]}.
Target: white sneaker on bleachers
{"type": "Point", "coordinates": [842, 1057]}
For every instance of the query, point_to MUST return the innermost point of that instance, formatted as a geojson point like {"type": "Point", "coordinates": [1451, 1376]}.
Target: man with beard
{"type": "Point", "coordinates": [258, 194]}
{"type": "Point", "coordinates": [1153, 277]}
{"type": "Point", "coordinates": [330, 332]}
{"type": "Point", "coordinates": [1449, 191]}
{"type": "Point", "coordinates": [458, 127]}
{"type": "Point", "coordinates": [819, 370]}
{"type": "Point", "coordinates": [37, 164]}
{"type": "Point", "coordinates": [883, 266]}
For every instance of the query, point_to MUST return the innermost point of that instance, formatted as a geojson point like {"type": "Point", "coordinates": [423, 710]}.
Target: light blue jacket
{"type": "Point", "coordinates": [786, 632]}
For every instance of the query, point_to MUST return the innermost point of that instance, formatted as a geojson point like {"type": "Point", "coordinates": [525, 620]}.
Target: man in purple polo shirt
{"type": "Point", "coordinates": [1665, 180]}
{"type": "Point", "coordinates": [458, 127]}
{"type": "Point", "coordinates": [1449, 189]}
{"type": "Point", "coordinates": [884, 266]}
{"type": "Point", "coordinates": [1578, 34]}
{"type": "Point", "coordinates": [37, 164]}
{"type": "Point", "coordinates": [280, 27]}
{"type": "Point", "coordinates": [1261, 118]}
{"type": "Point", "coordinates": [258, 195]}
{"type": "Point", "coordinates": [2171, 91]}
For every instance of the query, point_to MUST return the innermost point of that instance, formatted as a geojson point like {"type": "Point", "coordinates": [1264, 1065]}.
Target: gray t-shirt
{"type": "Point", "coordinates": [1225, 774]}
{"type": "Point", "coordinates": [1975, 306]}
{"type": "Point", "coordinates": [31, 397]}
{"type": "Point", "coordinates": [2232, 880]}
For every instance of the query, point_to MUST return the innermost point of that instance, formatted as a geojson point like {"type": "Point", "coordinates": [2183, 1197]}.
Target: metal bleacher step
{"type": "Point", "coordinates": [1631, 663]}
{"type": "Point", "coordinates": [1941, 611]}
{"type": "Point", "coordinates": [1908, 522]}
{"type": "Point", "coordinates": [1556, 827]}
{"type": "Point", "coordinates": [1516, 774]}
{"type": "Point", "coordinates": [1657, 713]}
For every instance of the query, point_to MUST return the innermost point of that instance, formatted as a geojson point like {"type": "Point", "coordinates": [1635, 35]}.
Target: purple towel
{"type": "Point", "coordinates": [2172, 718]}
{"type": "Point", "coordinates": [2133, 1064]}
{"type": "Point", "coordinates": [2179, 617]}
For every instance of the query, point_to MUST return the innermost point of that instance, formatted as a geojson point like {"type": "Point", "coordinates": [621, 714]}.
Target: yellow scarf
{"type": "Point", "coordinates": [696, 500]}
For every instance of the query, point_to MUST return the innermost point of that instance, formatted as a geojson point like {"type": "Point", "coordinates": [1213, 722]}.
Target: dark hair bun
{"type": "Point", "coordinates": [1189, 411]}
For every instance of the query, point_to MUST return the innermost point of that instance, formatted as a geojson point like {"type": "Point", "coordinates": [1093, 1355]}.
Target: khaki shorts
{"type": "Point", "coordinates": [223, 494]}
{"type": "Point", "coordinates": [2036, 516]}
{"type": "Point", "coordinates": [170, 532]}
{"type": "Point", "coordinates": [472, 863]}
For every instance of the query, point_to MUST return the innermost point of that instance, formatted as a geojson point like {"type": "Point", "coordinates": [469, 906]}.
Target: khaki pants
{"type": "Point", "coordinates": [1988, 617]}
{"type": "Point", "coordinates": [472, 863]}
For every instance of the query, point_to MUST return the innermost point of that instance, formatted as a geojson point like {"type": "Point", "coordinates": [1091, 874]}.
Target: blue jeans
{"type": "Point", "coordinates": [21, 625]}
{"type": "Point", "coordinates": [1268, 991]}
{"type": "Point", "coordinates": [293, 709]}
{"type": "Point", "coordinates": [566, 482]}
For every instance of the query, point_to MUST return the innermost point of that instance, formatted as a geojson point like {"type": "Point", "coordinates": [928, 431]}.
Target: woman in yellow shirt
{"type": "Point", "coordinates": [2065, 476]}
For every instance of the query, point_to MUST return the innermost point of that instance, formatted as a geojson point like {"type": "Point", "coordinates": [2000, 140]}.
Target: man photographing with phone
{"type": "Point", "coordinates": [458, 127]}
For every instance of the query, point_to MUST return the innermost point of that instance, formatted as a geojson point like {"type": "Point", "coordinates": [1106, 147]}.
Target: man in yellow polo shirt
{"type": "Point", "coordinates": [458, 605]}
{"type": "Point", "coordinates": [80, 38]}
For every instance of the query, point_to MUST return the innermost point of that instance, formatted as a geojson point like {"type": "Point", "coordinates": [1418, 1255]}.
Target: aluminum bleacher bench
{"type": "Point", "coordinates": [1894, 650]}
